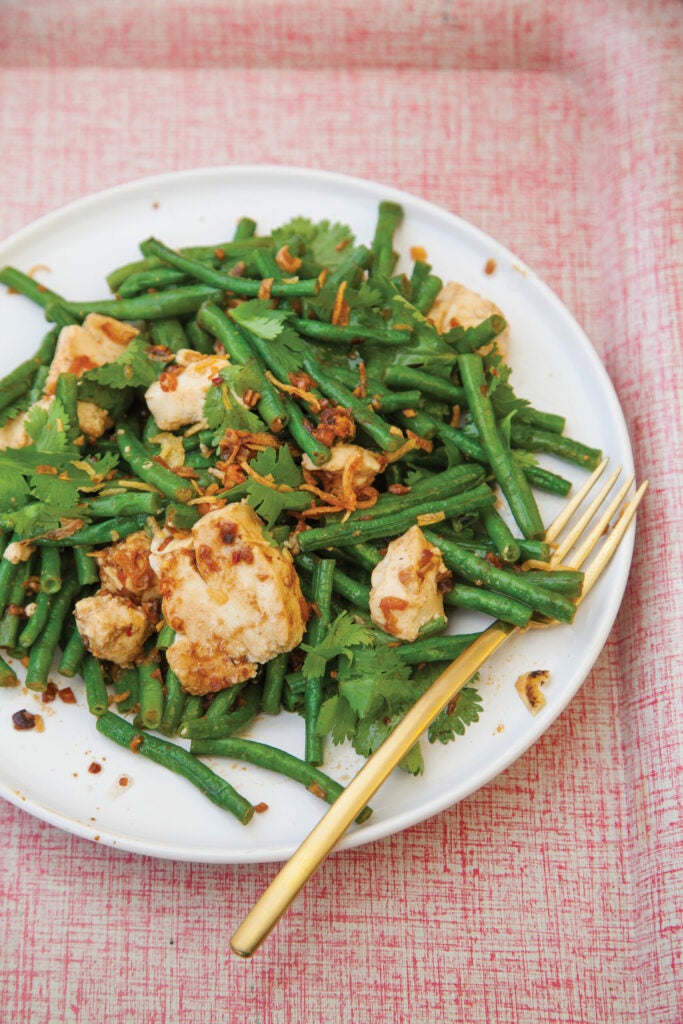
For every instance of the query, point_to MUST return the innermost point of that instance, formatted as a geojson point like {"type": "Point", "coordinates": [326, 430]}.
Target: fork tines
{"type": "Point", "coordinates": [610, 526]}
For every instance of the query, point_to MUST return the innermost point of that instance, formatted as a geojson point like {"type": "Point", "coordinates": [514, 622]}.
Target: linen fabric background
{"type": "Point", "coordinates": [554, 893]}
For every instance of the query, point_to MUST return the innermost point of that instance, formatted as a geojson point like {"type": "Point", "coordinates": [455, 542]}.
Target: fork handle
{"type": "Point", "coordinates": [291, 878]}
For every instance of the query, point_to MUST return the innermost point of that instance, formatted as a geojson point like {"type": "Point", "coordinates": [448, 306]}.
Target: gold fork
{"type": "Point", "coordinates": [603, 520]}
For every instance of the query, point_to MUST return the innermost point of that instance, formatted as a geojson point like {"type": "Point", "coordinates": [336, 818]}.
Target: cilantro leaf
{"type": "Point", "coordinates": [26, 460]}
{"type": "Point", "coordinates": [302, 228]}
{"type": "Point", "coordinates": [34, 518]}
{"type": "Point", "coordinates": [361, 301]}
{"type": "Point", "coordinates": [325, 242]}
{"type": "Point", "coordinates": [91, 472]}
{"type": "Point", "coordinates": [115, 402]}
{"type": "Point", "coordinates": [413, 761]}
{"type": "Point", "coordinates": [453, 720]}
{"type": "Point", "coordinates": [260, 317]}
{"type": "Point", "coordinates": [134, 368]}
{"type": "Point", "coordinates": [376, 682]}
{"type": "Point", "coordinates": [426, 350]}
{"type": "Point", "coordinates": [343, 635]}
{"type": "Point", "coordinates": [370, 734]}
{"type": "Point", "coordinates": [48, 428]}
{"type": "Point", "coordinates": [329, 244]}
{"type": "Point", "coordinates": [13, 489]}
{"type": "Point", "coordinates": [39, 490]}
{"type": "Point", "coordinates": [292, 343]}
{"type": "Point", "coordinates": [503, 398]}
{"type": "Point", "coordinates": [15, 408]}
{"type": "Point", "coordinates": [240, 379]}
{"type": "Point", "coordinates": [278, 463]}
{"type": "Point", "coordinates": [337, 719]}
{"type": "Point", "coordinates": [54, 499]}
{"type": "Point", "coordinates": [58, 493]}
{"type": "Point", "coordinates": [214, 408]}
{"type": "Point", "coordinates": [375, 689]}
{"type": "Point", "coordinates": [223, 412]}
{"type": "Point", "coordinates": [278, 466]}
{"type": "Point", "coordinates": [365, 297]}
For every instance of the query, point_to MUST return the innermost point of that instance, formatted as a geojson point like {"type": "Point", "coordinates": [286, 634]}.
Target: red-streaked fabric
{"type": "Point", "coordinates": [553, 895]}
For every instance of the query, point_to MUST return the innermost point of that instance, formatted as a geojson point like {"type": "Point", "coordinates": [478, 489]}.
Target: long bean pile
{"type": "Point", "coordinates": [327, 344]}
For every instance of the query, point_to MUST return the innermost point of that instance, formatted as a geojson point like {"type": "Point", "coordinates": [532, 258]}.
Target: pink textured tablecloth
{"type": "Point", "coordinates": [554, 893]}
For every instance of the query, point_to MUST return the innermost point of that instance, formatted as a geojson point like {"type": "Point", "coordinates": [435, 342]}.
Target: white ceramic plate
{"type": "Point", "coordinates": [554, 366]}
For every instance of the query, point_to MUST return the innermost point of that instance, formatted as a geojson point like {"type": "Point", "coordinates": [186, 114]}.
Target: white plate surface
{"type": "Point", "coordinates": [554, 366]}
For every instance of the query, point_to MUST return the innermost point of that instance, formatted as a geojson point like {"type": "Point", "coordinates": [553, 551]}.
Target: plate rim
{"type": "Point", "coordinates": [373, 830]}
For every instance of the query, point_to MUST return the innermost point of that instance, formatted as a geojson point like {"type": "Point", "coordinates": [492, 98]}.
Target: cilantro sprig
{"type": "Point", "coordinates": [278, 467]}
{"type": "Point", "coordinates": [374, 688]}
{"type": "Point", "coordinates": [43, 483]}
{"type": "Point", "coordinates": [222, 411]}
{"type": "Point", "coordinates": [323, 243]}
{"type": "Point", "coordinates": [136, 367]}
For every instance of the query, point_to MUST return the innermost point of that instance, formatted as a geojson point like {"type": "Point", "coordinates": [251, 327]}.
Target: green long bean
{"type": "Point", "coordinates": [244, 287]}
{"type": "Point", "coordinates": [354, 591]}
{"type": "Point", "coordinates": [320, 330]}
{"type": "Point", "coordinates": [178, 760]}
{"type": "Point", "coordinates": [157, 278]}
{"type": "Point", "coordinates": [127, 503]}
{"type": "Point", "coordinates": [151, 694]}
{"type": "Point", "coordinates": [135, 454]}
{"type": "Point", "coordinates": [50, 570]}
{"type": "Point", "coordinates": [562, 581]}
{"type": "Point", "coordinates": [151, 306]}
{"type": "Point", "coordinates": [350, 267]}
{"type": "Point", "coordinates": [199, 339]}
{"type": "Point", "coordinates": [72, 656]}
{"type": "Point", "coordinates": [8, 572]}
{"type": "Point", "coordinates": [544, 480]}
{"type": "Point", "coordinates": [95, 686]}
{"type": "Point", "coordinates": [67, 393]}
{"type": "Point", "coordinates": [436, 648]}
{"type": "Point", "coordinates": [273, 683]}
{"type": "Point", "coordinates": [387, 437]}
{"type": "Point", "coordinates": [43, 650]}
{"type": "Point", "coordinates": [533, 439]}
{"type": "Point", "coordinates": [469, 339]}
{"type": "Point", "coordinates": [270, 405]}
{"type": "Point", "coordinates": [425, 295]}
{"type": "Point", "coordinates": [85, 565]}
{"type": "Point", "coordinates": [482, 574]}
{"type": "Point", "coordinates": [218, 726]}
{"type": "Point", "coordinates": [174, 703]}
{"type": "Point", "coordinates": [27, 286]}
{"type": "Point", "coordinates": [498, 606]}
{"type": "Point", "coordinates": [8, 676]}
{"type": "Point", "coordinates": [322, 584]}
{"type": "Point", "coordinates": [510, 478]}
{"type": "Point", "coordinates": [108, 531]}
{"type": "Point", "coordinates": [389, 217]}
{"type": "Point", "coordinates": [235, 249]}
{"type": "Point", "coordinates": [36, 623]}
{"type": "Point", "coordinates": [408, 377]}
{"type": "Point", "coordinates": [275, 760]}
{"type": "Point", "coordinates": [501, 534]}
{"type": "Point", "coordinates": [223, 702]}
{"type": "Point", "coordinates": [127, 689]}
{"type": "Point", "coordinates": [544, 420]}
{"type": "Point", "coordinates": [390, 525]}
{"type": "Point", "coordinates": [165, 637]}
{"type": "Point", "coordinates": [12, 615]}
